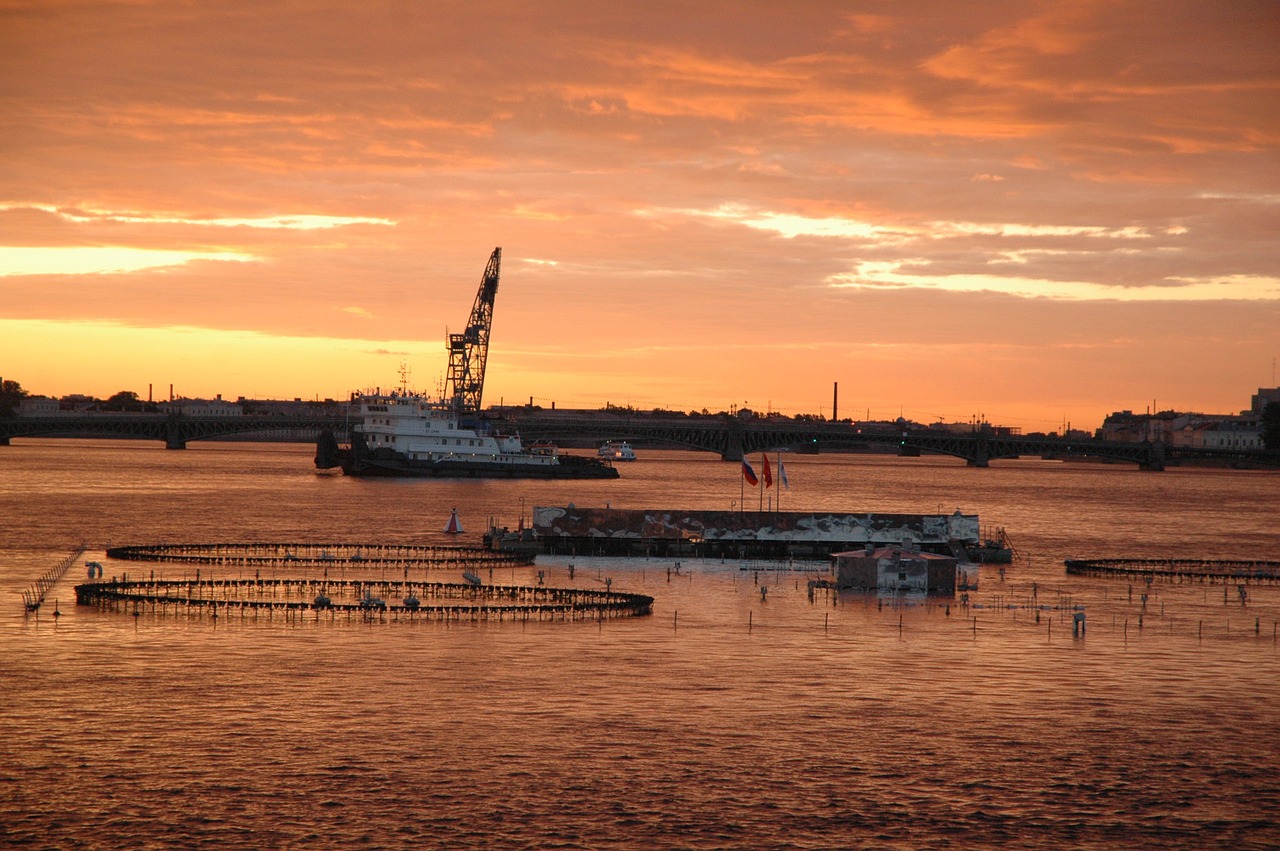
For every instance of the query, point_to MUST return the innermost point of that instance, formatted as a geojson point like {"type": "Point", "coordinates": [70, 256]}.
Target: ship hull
{"type": "Point", "coordinates": [382, 463]}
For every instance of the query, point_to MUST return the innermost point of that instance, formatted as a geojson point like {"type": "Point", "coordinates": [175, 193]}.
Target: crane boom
{"type": "Point", "coordinates": [469, 350]}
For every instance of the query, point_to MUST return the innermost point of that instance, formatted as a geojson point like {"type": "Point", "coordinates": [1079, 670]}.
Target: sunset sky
{"type": "Point", "coordinates": [1036, 212]}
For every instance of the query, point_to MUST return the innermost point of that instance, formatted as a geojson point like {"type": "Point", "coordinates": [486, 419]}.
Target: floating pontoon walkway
{"type": "Point", "coordinates": [266, 555]}
{"type": "Point", "coordinates": [441, 601]}
{"type": "Point", "coordinates": [34, 597]}
{"type": "Point", "coordinates": [1179, 570]}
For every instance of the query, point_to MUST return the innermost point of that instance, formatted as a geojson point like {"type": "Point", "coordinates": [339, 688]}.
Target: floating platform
{"type": "Point", "coordinates": [293, 598]}
{"type": "Point", "coordinates": [570, 530]}
{"type": "Point", "coordinates": [309, 554]}
{"type": "Point", "coordinates": [1179, 569]}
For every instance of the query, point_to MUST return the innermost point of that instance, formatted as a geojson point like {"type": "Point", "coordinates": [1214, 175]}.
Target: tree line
{"type": "Point", "coordinates": [12, 394]}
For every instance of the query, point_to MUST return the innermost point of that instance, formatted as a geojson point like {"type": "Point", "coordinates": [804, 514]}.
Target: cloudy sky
{"type": "Point", "coordinates": [1036, 212]}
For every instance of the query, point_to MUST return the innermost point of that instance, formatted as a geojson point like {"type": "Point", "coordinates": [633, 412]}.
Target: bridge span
{"type": "Point", "coordinates": [176, 430]}
{"type": "Point", "coordinates": [732, 438]}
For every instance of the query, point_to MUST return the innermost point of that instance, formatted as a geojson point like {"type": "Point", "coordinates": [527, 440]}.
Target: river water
{"type": "Point", "coordinates": [723, 720]}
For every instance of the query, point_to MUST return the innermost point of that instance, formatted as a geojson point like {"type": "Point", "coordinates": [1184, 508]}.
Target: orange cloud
{"type": "Point", "coordinates": [924, 202]}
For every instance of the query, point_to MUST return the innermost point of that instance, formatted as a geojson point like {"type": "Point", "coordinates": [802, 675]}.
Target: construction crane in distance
{"type": "Point", "coordinates": [469, 350]}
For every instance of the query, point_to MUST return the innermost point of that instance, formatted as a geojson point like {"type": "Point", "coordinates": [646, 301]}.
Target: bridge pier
{"type": "Point", "coordinates": [733, 443]}
{"type": "Point", "coordinates": [981, 456]}
{"type": "Point", "coordinates": [173, 437]}
{"type": "Point", "coordinates": [1155, 458]}
{"type": "Point", "coordinates": [732, 453]}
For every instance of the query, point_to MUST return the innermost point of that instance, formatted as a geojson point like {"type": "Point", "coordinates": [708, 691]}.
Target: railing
{"type": "Point", "coordinates": [33, 597]}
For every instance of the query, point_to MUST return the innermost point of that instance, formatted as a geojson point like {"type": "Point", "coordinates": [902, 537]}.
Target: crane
{"type": "Point", "coordinates": [469, 350]}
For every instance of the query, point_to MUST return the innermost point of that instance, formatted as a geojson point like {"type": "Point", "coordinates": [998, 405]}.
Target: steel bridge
{"type": "Point", "coordinates": [732, 438]}
{"type": "Point", "coordinates": [176, 430]}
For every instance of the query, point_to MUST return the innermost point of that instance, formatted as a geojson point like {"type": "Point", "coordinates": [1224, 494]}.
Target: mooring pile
{"type": "Point", "coordinates": [368, 599]}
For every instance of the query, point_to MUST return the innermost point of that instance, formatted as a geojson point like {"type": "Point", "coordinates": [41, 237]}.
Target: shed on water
{"type": "Point", "coordinates": [896, 570]}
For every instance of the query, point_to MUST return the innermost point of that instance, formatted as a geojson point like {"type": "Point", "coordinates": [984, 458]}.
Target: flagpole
{"type": "Point", "coordinates": [762, 487]}
{"type": "Point", "coordinates": [742, 488]}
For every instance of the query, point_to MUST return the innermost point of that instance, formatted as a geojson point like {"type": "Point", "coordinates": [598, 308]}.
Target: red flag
{"type": "Point", "coordinates": [748, 473]}
{"type": "Point", "coordinates": [768, 473]}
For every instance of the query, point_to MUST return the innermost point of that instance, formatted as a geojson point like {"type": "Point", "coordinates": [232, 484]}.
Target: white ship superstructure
{"type": "Point", "coordinates": [424, 430]}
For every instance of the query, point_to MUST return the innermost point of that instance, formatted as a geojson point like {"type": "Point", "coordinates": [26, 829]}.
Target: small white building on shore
{"type": "Point", "coordinates": [38, 406]}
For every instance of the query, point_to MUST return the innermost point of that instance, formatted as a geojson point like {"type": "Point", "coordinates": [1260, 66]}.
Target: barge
{"type": "Point", "coordinates": [745, 534]}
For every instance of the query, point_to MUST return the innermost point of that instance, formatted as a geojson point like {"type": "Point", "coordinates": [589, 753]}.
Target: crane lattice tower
{"type": "Point", "coordinates": [469, 350]}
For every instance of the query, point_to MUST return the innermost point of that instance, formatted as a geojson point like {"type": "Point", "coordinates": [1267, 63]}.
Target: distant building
{"type": "Point", "coordinates": [1264, 397]}
{"type": "Point", "coordinates": [895, 570]}
{"type": "Point", "coordinates": [292, 407]}
{"type": "Point", "coordinates": [1128, 427]}
{"type": "Point", "coordinates": [77, 402]}
{"type": "Point", "coordinates": [38, 406]}
{"type": "Point", "coordinates": [1189, 435]}
{"type": "Point", "coordinates": [215, 407]}
{"type": "Point", "coordinates": [1241, 431]}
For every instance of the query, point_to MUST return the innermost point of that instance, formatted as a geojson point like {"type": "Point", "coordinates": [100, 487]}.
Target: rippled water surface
{"type": "Point", "coordinates": [721, 721]}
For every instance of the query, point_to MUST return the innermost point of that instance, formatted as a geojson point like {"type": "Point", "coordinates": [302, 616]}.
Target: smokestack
{"type": "Point", "coordinates": [148, 394]}
{"type": "Point", "coordinates": [170, 392]}
{"type": "Point", "coordinates": [835, 401]}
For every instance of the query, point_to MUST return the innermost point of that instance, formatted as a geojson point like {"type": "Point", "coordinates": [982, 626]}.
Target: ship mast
{"type": "Point", "coordinates": [469, 350]}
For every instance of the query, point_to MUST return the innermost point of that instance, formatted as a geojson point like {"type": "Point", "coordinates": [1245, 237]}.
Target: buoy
{"type": "Point", "coordinates": [454, 526]}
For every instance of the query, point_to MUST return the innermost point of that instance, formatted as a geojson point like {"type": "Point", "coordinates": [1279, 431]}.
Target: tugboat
{"type": "Point", "coordinates": [404, 434]}
{"type": "Point", "coordinates": [407, 434]}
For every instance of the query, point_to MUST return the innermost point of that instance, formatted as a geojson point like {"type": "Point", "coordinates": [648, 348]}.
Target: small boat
{"type": "Point", "coordinates": [617, 451]}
